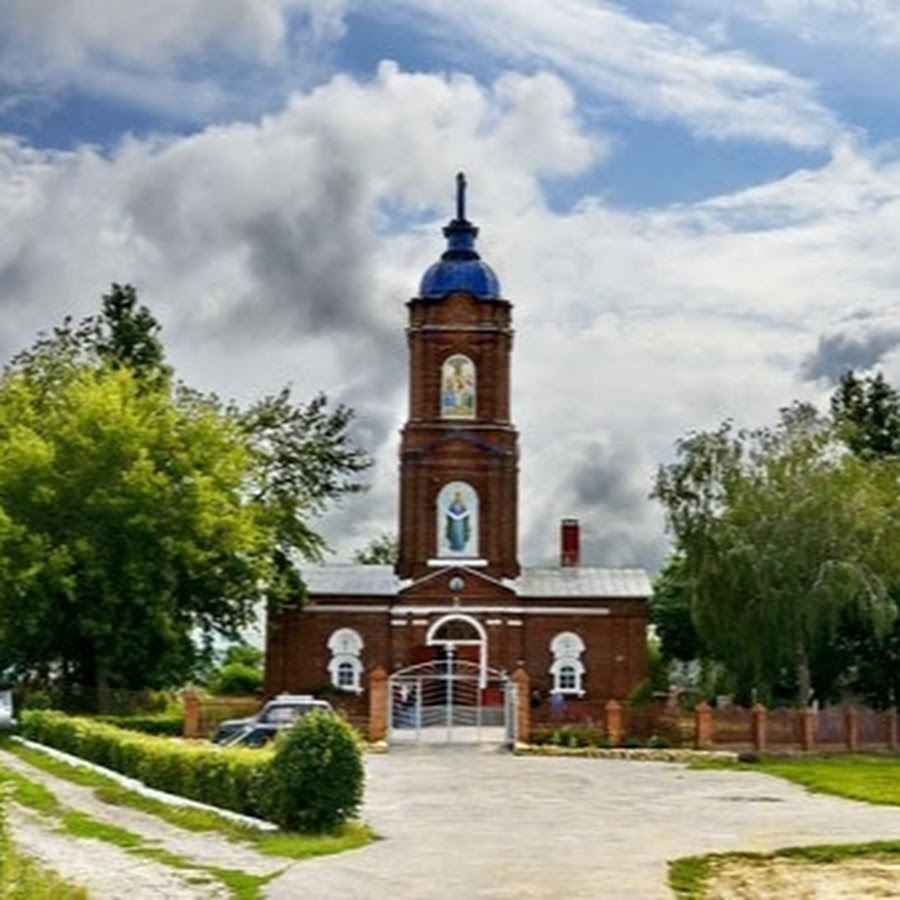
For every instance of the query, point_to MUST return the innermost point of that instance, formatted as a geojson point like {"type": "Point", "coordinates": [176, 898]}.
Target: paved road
{"type": "Point", "coordinates": [462, 823]}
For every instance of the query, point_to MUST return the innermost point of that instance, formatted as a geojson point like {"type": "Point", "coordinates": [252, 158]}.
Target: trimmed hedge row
{"type": "Point", "coordinates": [313, 781]}
{"type": "Point", "coordinates": [231, 779]}
{"type": "Point", "coordinates": [161, 724]}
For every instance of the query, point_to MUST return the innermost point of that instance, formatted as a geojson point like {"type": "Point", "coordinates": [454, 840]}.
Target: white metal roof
{"type": "Point", "coordinates": [352, 580]}
{"type": "Point", "coordinates": [583, 581]}
{"type": "Point", "coordinates": [543, 583]}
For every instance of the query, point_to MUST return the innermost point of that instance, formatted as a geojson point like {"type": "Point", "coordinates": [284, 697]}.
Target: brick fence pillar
{"type": "Point", "coordinates": [806, 721]}
{"type": "Point", "coordinates": [612, 722]}
{"type": "Point", "coordinates": [703, 725]}
{"type": "Point", "coordinates": [758, 726]}
{"type": "Point", "coordinates": [851, 728]}
{"type": "Point", "coordinates": [193, 714]}
{"type": "Point", "coordinates": [522, 682]}
{"type": "Point", "coordinates": [378, 704]}
{"type": "Point", "coordinates": [892, 729]}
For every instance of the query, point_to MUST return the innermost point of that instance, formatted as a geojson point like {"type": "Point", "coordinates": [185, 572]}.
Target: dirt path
{"type": "Point", "coordinates": [109, 871]}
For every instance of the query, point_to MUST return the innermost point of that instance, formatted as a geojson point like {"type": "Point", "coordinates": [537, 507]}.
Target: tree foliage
{"type": "Point", "coordinates": [670, 613]}
{"type": "Point", "coordinates": [782, 532]}
{"type": "Point", "coordinates": [135, 512]}
{"type": "Point", "coordinates": [380, 551]}
{"type": "Point", "coordinates": [867, 411]}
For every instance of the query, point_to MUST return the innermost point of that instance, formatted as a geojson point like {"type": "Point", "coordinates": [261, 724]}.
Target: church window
{"type": "Point", "coordinates": [458, 387]}
{"type": "Point", "coordinates": [567, 668]}
{"type": "Point", "coordinates": [345, 666]}
{"type": "Point", "coordinates": [346, 675]}
{"type": "Point", "coordinates": [457, 521]}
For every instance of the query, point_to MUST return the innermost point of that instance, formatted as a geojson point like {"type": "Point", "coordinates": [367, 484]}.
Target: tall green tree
{"type": "Point", "coordinates": [782, 532]}
{"type": "Point", "coordinates": [671, 615]}
{"type": "Point", "coordinates": [867, 413]}
{"type": "Point", "coordinates": [135, 513]}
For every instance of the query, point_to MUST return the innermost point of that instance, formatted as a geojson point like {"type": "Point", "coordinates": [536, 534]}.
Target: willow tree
{"type": "Point", "coordinates": [782, 531]}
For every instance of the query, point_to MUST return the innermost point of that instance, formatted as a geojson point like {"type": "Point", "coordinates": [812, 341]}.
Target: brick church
{"type": "Point", "coordinates": [458, 586]}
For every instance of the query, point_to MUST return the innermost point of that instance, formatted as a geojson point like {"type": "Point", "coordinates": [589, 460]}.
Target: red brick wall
{"type": "Point", "coordinates": [482, 452]}
{"type": "Point", "coordinates": [615, 656]}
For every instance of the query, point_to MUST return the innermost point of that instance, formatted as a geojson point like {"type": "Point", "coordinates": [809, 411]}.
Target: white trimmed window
{"type": "Point", "coordinates": [567, 668]}
{"type": "Point", "coordinates": [345, 665]}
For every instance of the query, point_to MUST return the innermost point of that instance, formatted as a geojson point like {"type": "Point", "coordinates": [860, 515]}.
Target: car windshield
{"type": "Point", "coordinates": [280, 714]}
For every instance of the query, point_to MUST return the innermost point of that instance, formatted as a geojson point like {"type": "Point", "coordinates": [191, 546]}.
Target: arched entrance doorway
{"type": "Point", "coordinates": [460, 638]}
{"type": "Point", "coordinates": [453, 696]}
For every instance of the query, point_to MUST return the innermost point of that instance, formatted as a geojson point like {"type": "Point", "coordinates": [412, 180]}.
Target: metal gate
{"type": "Point", "coordinates": [451, 701]}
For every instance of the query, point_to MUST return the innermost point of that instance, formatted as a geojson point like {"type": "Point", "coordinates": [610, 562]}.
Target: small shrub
{"type": "Point", "coordinates": [315, 780]}
{"type": "Point", "coordinates": [237, 678]}
{"type": "Point", "coordinates": [542, 734]}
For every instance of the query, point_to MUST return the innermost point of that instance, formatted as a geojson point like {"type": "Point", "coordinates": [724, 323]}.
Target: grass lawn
{"type": "Point", "coordinates": [869, 778]}
{"type": "Point", "coordinates": [875, 779]}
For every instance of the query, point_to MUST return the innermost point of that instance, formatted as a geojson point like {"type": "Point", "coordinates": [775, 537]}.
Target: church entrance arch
{"type": "Point", "coordinates": [460, 637]}
{"type": "Point", "coordinates": [453, 698]}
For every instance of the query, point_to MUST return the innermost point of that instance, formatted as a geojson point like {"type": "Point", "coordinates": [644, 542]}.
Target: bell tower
{"type": "Point", "coordinates": [459, 449]}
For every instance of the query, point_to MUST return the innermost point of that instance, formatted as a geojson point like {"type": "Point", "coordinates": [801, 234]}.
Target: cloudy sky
{"type": "Point", "coordinates": [693, 204]}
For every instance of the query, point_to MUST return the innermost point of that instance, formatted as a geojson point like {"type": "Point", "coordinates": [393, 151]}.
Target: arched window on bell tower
{"type": "Point", "coordinates": [458, 387]}
{"type": "Point", "coordinates": [457, 521]}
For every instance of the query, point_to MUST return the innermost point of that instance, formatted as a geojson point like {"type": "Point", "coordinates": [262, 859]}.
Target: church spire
{"type": "Point", "coordinates": [460, 196]}
{"type": "Point", "coordinates": [460, 267]}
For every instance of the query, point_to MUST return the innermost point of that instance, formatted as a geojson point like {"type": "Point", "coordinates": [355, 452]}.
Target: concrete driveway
{"type": "Point", "coordinates": [465, 823]}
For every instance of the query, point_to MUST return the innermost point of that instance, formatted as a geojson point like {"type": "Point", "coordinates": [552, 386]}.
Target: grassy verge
{"type": "Point", "coordinates": [869, 778]}
{"type": "Point", "coordinates": [23, 878]}
{"type": "Point", "coordinates": [242, 886]}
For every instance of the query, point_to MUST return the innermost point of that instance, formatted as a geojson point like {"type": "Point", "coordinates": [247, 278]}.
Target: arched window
{"type": "Point", "coordinates": [458, 387]}
{"type": "Point", "coordinates": [457, 521]}
{"type": "Point", "coordinates": [567, 668]}
{"type": "Point", "coordinates": [345, 665]}
{"type": "Point", "coordinates": [346, 675]}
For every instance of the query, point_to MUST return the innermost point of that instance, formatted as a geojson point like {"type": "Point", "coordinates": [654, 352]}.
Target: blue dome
{"type": "Point", "coordinates": [470, 275]}
{"type": "Point", "coordinates": [460, 268]}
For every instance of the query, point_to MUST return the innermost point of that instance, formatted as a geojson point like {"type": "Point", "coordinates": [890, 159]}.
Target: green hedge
{"type": "Point", "coordinates": [165, 724]}
{"type": "Point", "coordinates": [311, 782]}
{"type": "Point", "coordinates": [229, 779]}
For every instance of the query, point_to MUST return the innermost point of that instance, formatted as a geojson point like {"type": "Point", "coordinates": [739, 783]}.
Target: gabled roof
{"type": "Point", "coordinates": [355, 580]}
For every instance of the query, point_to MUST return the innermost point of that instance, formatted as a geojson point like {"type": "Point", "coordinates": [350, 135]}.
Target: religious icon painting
{"type": "Point", "coordinates": [458, 387]}
{"type": "Point", "coordinates": [457, 520]}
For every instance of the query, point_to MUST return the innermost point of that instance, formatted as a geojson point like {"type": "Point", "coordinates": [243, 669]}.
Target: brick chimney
{"type": "Point", "coordinates": [569, 543]}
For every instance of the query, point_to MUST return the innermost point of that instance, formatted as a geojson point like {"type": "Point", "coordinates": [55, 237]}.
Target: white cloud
{"type": "Point", "coordinates": [870, 22]}
{"type": "Point", "coordinates": [653, 69]}
{"type": "Point", "coordinates": [274, 251]}
{"type": "Point", "coordinates": [146, 53]}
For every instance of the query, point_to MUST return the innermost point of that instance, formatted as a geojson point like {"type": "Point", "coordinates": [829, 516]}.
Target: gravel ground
{"type": "Point", "coordinates": [110, 872]}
